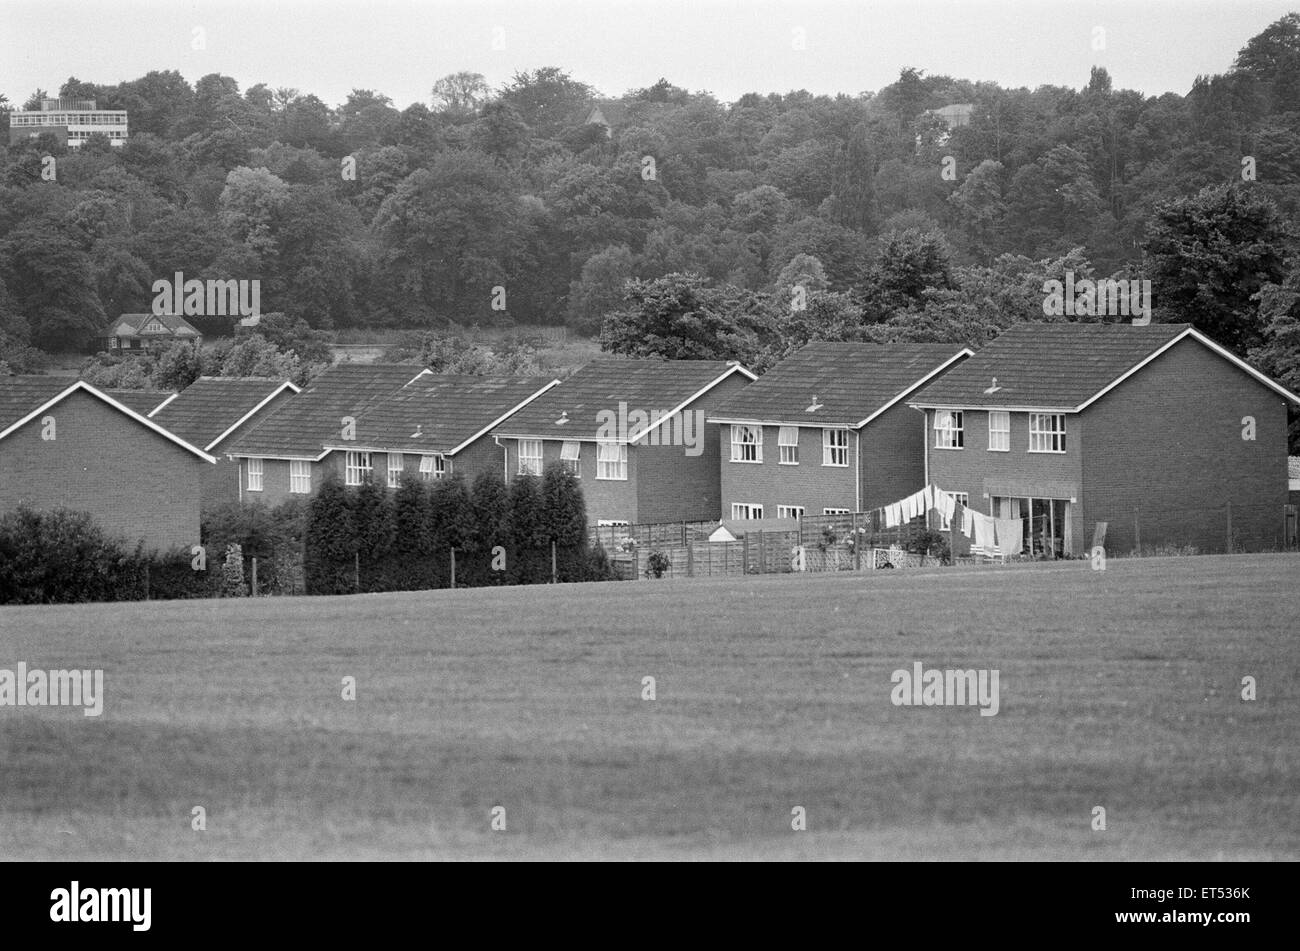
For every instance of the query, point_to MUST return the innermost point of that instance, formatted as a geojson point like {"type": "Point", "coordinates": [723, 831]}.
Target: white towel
{"type": "Point", "coordinates": [985, 534]}
{"type": "Point", "coordinates": [947, 505]}
{"type": "Point", "coordinates": [967, 522]}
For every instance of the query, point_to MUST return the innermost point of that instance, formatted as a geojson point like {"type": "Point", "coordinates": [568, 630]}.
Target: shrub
{"type": "Point", "coordinates": [657, 564]}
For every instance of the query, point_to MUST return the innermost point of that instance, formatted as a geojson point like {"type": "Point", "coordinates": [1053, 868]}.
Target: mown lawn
{"type": "Point", "coordinates": [1119, 689]}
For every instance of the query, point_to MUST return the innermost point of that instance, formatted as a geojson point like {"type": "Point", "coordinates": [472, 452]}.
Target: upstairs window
{"type": "Point", "coordinates": [999, 431]}
{"type": "Point", "coordinates": [611, 460]}
{"type": "Point", "coordinates": [746, 443]}
{"type": "Point", "coordinates": [835, 447]}
{"type": "Point", "coordinates": [948, 432]}
{"type": "Point", "coordinates": [255, 475]}
{"type": "Point", "coordinates": [395, 466]}
{"type": "Point", "coordinates": [530, 457]}
{"type": "Point", "coordinates": [1047, 432]}
{"type": "Point", "coordinates": [357, 468]}
{"type": "Point", "coordinates": [299, 477]}
{"type": "Point", "coordinates": [570, 457]}
{"type": "Point", "coordinates": [788, 441]}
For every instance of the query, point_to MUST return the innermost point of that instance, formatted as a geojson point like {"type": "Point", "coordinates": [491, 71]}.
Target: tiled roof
{"type": "Point", "coordinates": [130, 324]}
{"type": "Point", "coordinates": [301, 427]}
{"type": "Point", "coordinates": [445, 409]}
{"type": "Point", "coordinates": [1048, 365]}
{"type": "Point", "coordinates": [20, 396]}
{"type": "Point", "coordinates": [208, 407]}
{"type": "Point", "coordinates": [849, 382]}
{"type": "Point", "coordinates": [142, 401]}
{"type": "Point", "coordinates": [646, 385]}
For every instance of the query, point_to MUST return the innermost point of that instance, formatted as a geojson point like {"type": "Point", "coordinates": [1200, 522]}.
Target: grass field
{"type": "Point", "coordinates": [1119, 689]}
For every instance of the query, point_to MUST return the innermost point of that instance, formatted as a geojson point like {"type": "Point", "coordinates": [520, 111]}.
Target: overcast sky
{"type": "Point", "coordinates": [399, 47]}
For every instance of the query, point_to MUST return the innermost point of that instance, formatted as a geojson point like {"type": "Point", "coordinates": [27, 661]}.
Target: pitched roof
{"type": "Point", "coordinates": [301, 427]}
{"type": "Point", "coordinates": [142, 401]}
{"type": "Point", "coordinates": [129, 325]}
{"type": "Point", "coordinates": [442, 412]}
{"type": "Point", "coordinates": [850, 383]}
{"type": "Point", "coordinates": [23, 398]}
{"type": "Point", "coordinates": [210, 408]}
{"type": "Point", "coordinates": [647, 385]}
{"type": "Point", "coordinates": [1063, 366]}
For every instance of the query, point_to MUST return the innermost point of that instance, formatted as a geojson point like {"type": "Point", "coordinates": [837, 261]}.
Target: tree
{"type": "Point", "coordinates": [564, 513]}
{"type": "Point", "coordinates": [459, 96]}
{"type": "Point", "coordinates": [178, 366]}
{"type": "Point", "coordinates": [679, 317]}
{"type": "Point", "coordinates": [490, 504]}
{"type": "Point", "coordinates": [1210, 254]}
{"type": "Point", "coordinates": [330, 541]}
{"type": "Point", "coordinates": [599, 290]}
{"type": "Point", "coordinates": [528, 540]}
{"type": "Point", "coordinates": [548, 100]}
{"type": "Point", "coordinates": [1278, 354]}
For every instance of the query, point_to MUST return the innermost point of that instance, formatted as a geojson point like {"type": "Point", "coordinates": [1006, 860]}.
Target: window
{"type": "Point", "coordinates": [357, 468]}
{"type": "Point", "coordinates": [836, 512]}
{"type": "Point", "coordinates": [745, 510]}
{"type": "Point", "coordinates": [789, 511]}
{"type": "Point", "coordinates": [947, 429]}
{"type": "Point", "coordinates": [1046, 432]}
{"type": "Point", "coordinates": [112, 343]}
{"type": "Point", "coordinates": [432, 467]}
{"type": "Point", "coordinates": [395, 465]}
{"type": "Point", "coordinates": [611, 460]}
{"type": "Point", "coordinates": [964, 499]}
{"type": "Point", "coordinates": [299, 476]}
{"type": "Point", "coordinates": [788, 439]}
{"type": "Point", "coordinates": [570, 457]}
{"type": "Point", "coordinates": [746, 444]}
{"type": "Point", "coordinates": [530, 457]}
{"type": "Point", "coordinates": [611, 523]}
{"type": "Point", "coordinates": [999, 431]}
{"type": "Point", "coordinates": [255, 475]}
{"type": "Point", "coordinates": [835, 447]}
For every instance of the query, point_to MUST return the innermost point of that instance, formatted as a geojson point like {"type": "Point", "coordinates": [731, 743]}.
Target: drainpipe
{"type": "Point", "coordinates": [857, 474]}
{"type": "Point", "coordinates": [505, 459]}
{"type": "Point", "coordinates": [925, 442]}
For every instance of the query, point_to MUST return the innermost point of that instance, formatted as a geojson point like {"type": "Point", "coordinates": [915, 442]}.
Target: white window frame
{"type": "Point", "coordinates": [952, 436]}
{"type": "Point", "coordinates": [1000, 435]}
{"type": "Point", "coordinates": [612, 523]}
{"type": "Point", "coordinates": [358, 467]}
{"type": "Point", "coordinates": [739, 443]}
{"type": "Point", "coordinates": [787, 438]}
{"type": "Point", "coordinates": [837, 511]}
{"type": "Point", "coordinates": [611, 469]}
{"type": "Point", "coordinates": [1049, 438]}
{"type": "Point", "coordinates": [530, 463]}
{"type": "Point", "coordinates": [299, 477]}
{"type": "Point", "coordinates": [746, 511]}
{"type": "Point", "coordinates": [256, 468]}
{"type": "Point", "coordinates": [945, 523]}
{"type": "Point", "coordinates": [395, 472]}
{"type": "Point", "coordinates": [831, 448]}
{"type": "Point", "coordinates": [571, 457]}
{"type": "Point", "coordinates": [432, 467]}
{"type": "Point", "coordinates": [789, 511]}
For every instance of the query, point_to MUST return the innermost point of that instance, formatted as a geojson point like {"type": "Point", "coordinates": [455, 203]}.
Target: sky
{"type": "Point", "coordinates": [727, 47]}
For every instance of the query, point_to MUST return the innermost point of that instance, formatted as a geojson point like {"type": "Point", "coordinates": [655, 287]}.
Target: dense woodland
{"type": "Point", "coordinates": [843, 197]}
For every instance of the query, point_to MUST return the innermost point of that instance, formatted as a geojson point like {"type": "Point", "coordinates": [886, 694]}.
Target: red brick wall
{"type": "Point", "coordinates": [893, 456]}
{"type": "Point", "coordinates": [610, 499]}
{"type": "Point", "coordinates": [1167, 442]}
{"type": "Point", "coordinates": [982, 474]}
{"type": "Point", "coordinates": [136, 483]}
{"type": "Point", "coordinates": [771, 484]}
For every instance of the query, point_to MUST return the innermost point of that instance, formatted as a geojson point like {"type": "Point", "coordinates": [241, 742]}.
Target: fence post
{"type": "Point", "coordinates": [690, 559]}
{"type": "Point", "coordinates": [857, 543]}
{"type": "Point", "coordinates": [356, 571]}
{"type": "Point", "coordinates": [1228, 539]}
{"type": "Point", "coordinates": [453, 567]}
{"type": "Point", "coordinates": [762, 555]}
{"type": "Point", "coordinates": [554, 572]}
{"type": "Point", "coordinates": [146, 581]}
{"type": "Point", "coordinates": [1137, 533]}
{"type": "Point", "coordinates": [253, 587]}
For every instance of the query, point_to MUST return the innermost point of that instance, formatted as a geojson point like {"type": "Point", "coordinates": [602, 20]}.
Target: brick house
{"type": "Point", "coordinates": [133, 333]}
{"type": "Point", "coordinates": [634, 432]}
{"type": "Point", "coordinates": [211, 413]}
{"type": "Point", "coordinates": [828, 431]}
{"type": "Point", "coordinates": [283, 456]}
{"type": "Point", "coordinates": [69, 445]}
{"type": "Point", "coordinates": [434, 426]}
{"type": "Point", "coordinates": [1155, 430]}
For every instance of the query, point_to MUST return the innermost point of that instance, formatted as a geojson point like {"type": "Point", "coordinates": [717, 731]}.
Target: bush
{"type": "Point", "coordinates": [657, 564]}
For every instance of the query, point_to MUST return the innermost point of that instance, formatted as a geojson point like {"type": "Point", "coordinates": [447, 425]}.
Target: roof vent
{"type": "Point", "coordinates": [564, 418]}
{"type": "Point", "coordinates": [815, 406]}
{"type": "Point", "coordinates": [419, 431]}
{"type": "Point", "coordinates": [994, 388]}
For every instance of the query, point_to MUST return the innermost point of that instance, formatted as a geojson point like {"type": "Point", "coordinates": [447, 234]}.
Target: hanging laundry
{"type": "Point", "coordinates": [985, 531]}
{"type": "Point", "coordinates": [927, 498]}
{"type": "Point", "coordinates": [1010, 535]}
{"type": "Point", "coordinates": [947, 503]}
{"type": "Point", "coordinates": [891, 515]}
